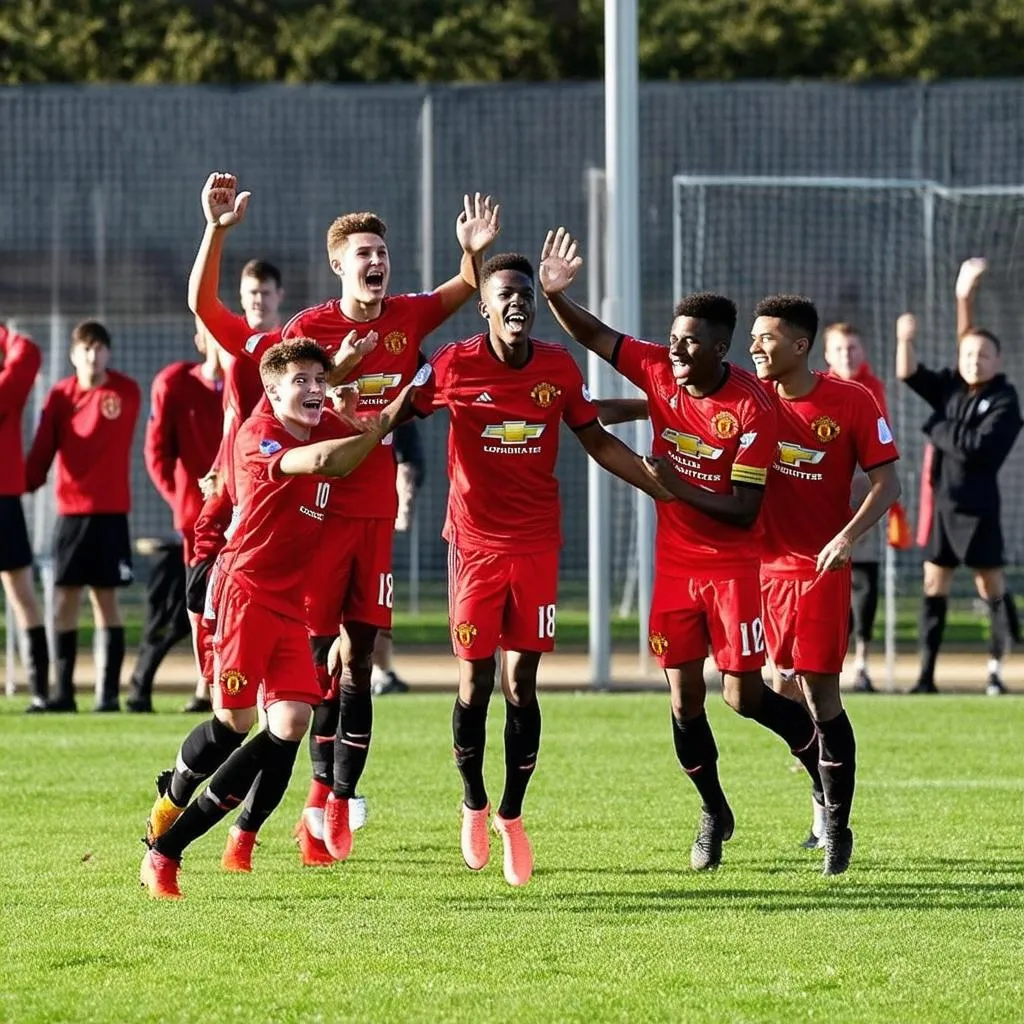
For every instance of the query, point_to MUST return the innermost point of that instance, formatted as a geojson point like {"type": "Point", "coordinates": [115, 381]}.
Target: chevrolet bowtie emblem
{"type": "Point", "coordinates": [513, 431]}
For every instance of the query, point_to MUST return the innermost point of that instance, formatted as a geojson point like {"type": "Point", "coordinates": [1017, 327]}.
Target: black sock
{"type": "Point", "coordinates": [522, 743]}
{"type": "Point", "coordinates": [698, 756]}
{"type": "Point", "coordinates": [67, 651]}
{"type": "Point", "coordinates": [227, 789]}
{"type": "Point", "coordinates": [38, 663]}
{"type": "Point", "coordinates": [321, 741]}
{"type": "Point", "coordinates": [111, 654]}
{"type": "Point", "coordinates": [352, 746]}
{"type": "Point", "coordinates": [838, 751]}
{"type": "Point", "coordinates": [999, 633]}
{"type": "Point", "coordinates": [205, 749]}
{"type": "Point", "coordinates": [270, 787]}
{"type": "Point", "coordinates": [791, 721]}
{"type": "Point", "coordinates": [469, 737]}
{"type": "Point", "coordinates": [933, 625]}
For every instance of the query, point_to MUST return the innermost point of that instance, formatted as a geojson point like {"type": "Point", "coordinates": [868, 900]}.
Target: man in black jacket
{"type": "Point", "coordinates": [975, 421]}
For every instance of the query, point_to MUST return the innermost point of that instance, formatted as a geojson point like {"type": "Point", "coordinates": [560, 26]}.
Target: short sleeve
{"type": "Point", "coordinates": [634, 359]}
{"type": "Point", "coordinates": [873, 438]}
{"type": "Point", "coordinates": [259, 449]}
{"type": "Point", "coordinates": [758, 442]}
{"type": "Point", "coordinates": [579, 410]}
{"type": "Point", "coordinates": [429, 382]}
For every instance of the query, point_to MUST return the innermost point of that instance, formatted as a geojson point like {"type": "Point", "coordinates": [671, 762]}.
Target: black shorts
{"type": "Point", "coordinates": [958, 538]}
{"type": "Point", "coordinates": [92, 551]}
{"type": "Point", "coordinates": [15, 549]}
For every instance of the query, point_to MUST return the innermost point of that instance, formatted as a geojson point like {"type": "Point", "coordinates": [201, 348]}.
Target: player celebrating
{"type": "Point", "coordinates": [281, 465]}
{"type": "Point", "coordinates": [353, 583]}
{"type": "Point", "coordinates": [506, 394]}
{"type": "Point", "coordinates": [715, 433]}
{"type": "Point", "coordinates": [827, 428]}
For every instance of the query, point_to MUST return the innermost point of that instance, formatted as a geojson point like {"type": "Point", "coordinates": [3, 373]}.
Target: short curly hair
{"type": "Point", "coordinates": [353, 224]}
{"type": "Point", "coordinates": [796, 310]}
{"type": "Point", "coordinates": [274, 362]}
{"type": "Point", "coordinates": [717, 310]}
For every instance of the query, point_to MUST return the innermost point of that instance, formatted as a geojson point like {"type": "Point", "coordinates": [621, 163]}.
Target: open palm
{"type": "Point", "coordinates": [559, 262]}
{"type": "Point", "coordinates": [223, 204]}
{"type": "Point", "coordinates": [478, 224]}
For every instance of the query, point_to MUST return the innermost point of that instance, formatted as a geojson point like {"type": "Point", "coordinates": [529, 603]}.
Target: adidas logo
{"type": "Point", "coordinates": [485, 399]}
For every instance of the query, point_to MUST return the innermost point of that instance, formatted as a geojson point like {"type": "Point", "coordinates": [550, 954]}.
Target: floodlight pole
{"type": "Point", "coordinates": [622, 148]}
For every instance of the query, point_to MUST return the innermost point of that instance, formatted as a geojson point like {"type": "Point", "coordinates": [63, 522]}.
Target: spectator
{"type": "Point", "coordinates": [87, 425]}
{"type": "Point", "coordinates": [19, 363]}
{"type": "Point", "coordinates": [975, 421]}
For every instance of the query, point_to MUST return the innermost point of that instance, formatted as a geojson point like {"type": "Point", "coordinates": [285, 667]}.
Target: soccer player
{"type": "Point", "coordinates": [186, 421]}
{"type": "Point", "coordinates": [846, 358]}
{"type": "Point", "coordinates": [283, 470]}
{"type": "Point", "coordinates": [975, 420]}
{"type": "Point", "coordinates": [506, 395]}
{"type": "Point", "coordinates": [20, 360]}
{"type": "Point", "coordinates": [714, 438]}
{"type": "Point", "coordinates": [87, 425]}
{"type": "Point", "coordinates": [827, 429]}
{"type": "Point", "coordinates": [353, 584]}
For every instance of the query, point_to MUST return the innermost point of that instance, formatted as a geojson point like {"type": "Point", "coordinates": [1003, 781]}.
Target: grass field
{"type": "Point", "coordinates": [928, 924]}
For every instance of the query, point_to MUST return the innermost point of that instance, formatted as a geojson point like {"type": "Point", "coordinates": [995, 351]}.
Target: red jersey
{"type": "Point", "coordinates": [277, 518]}
{"type": "Point", "coordinates": [724, 439]}
{"type": "Point", "coordinates": [20, 360]}
{"type": "Point", "coordinates": [182, 436]}
{"type": "Point", "coordinates": [503, 441]}
{"type": "Point", "coordinates": [823, 438]}
{"type": "Point", "coordinates": [404, 322]}
{"type": "Point", "coordinates": [89, 431]}
{"type": "Point", "coordinates": [867, 379]}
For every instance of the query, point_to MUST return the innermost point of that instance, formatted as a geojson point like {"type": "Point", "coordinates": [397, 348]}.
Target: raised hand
{"type": "Point", "coordinates": [906, 329]}
{"type": "Point", "coordinates": [354, 348]}
{"type": "Point", "coordinates": [559, 263]}
{"type": "Point", "coordinates": [478, 224]}
{"type": "Point", "coordinates": [969, 275]}
{"type": "Point", "coordinates": [223, 204]}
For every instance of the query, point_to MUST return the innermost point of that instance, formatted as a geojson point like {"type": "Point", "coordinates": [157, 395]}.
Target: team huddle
{"type": "Point", "coordinates": [289, 556]}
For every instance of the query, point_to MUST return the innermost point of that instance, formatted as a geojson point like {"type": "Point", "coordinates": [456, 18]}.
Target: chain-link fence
{"type": "Point", "coordinates": [101, 213]}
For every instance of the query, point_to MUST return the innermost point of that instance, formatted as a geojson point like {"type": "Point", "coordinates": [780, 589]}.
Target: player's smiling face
{"type": "Point", "coordinates": [364, 266]}
{"type": "Point", "coordinates": [509, 305]}
{"type": "Point", "coordinates": [775, 347]}
{"type": "Point", "coordinates": [298, 394]}
{"type": "Point", "coordinates": [696, 351]}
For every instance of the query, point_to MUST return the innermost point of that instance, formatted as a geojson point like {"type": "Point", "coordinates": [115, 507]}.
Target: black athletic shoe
{"type": "Point", "coordinates": [106, 708]}
{"type": "Point", "coordinates": [924, 686]}
{"type": "Point", "coordinates": [863, 684]}
{"type": "Point", "coordinates": [813, 842]}
{"type": "Point", "coordinates": [61, 704]}
{"type": "Point", "coordinates": [37, 707]}
{"type": "Point", "coordinates": [139, 705]}
{"type": "Point", "coordinates": [838, 850]}
{"type": "Point", "coordinates": [391, 684]}
{"type": "Point", "coordinates": [995, 687]}
{"type": "Point", "coordinates": [715, 829]}
{"type": "Point", "coordinates": [198, 706]}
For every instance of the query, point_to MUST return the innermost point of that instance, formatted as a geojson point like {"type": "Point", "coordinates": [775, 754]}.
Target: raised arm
{"type": "Point", "coordinates": [559, 264]}
{"type": "Point", "coordinates": [476, 227]}
{"type": "Point", "coordinates": [906, 334]}
{"type": "Point", "coordinates": [966, 286]}
{"type": "Point", "coordinates": [19, 365]}
{"type": "Point", "coordinates": [224, 207]}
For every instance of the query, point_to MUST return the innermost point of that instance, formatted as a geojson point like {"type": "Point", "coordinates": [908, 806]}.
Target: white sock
{"type": "Point", "coordinates": [995, 667]}
{"type": "Point", "coordinates": [314, 821]}
{"type": "Point", "coordinates": [818, 825]}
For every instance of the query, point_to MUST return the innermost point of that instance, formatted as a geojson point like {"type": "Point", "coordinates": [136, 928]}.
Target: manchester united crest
{"type": "Point", "coordinates": [395, 342]}
{"type": "Point", "coordinates": [825, 429]}
{"type": "Point", "coordinates": [545, 394]}
{"type": "Point", "coordinates": [110, 405]}
{"type": "Point", "coordinates": [465, 634]}
{"type": "Point", "coordinates": [658, 644]}
{"type": "Point", "coordinates": [233, 682]}
{"type": "Point", "coordinates": [725, 425]}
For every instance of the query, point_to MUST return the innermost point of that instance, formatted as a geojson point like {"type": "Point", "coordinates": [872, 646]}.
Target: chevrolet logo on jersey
{"type": "Point", "coordinates": [691, 444]}
{"type": "Point", "coordinates": [796, 455]}
{"type": "Point", "coordinates": [378, 383]}
{"type": "Point", "coordinates": [513, 431]}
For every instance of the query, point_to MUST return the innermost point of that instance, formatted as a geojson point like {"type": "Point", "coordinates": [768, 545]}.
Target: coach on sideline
{"type": "Point", "coordinates": [975, 421]}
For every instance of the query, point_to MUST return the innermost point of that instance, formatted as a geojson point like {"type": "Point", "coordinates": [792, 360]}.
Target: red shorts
{"type": "Point", "coordinates": [351, 579]}
{"type": "Point", "coordinates": [253, 645]}
{"type": "Point", "coordinates": [689, 615]}
{"type": "Point", "coordinates": [499, 599]}
{"type": "Point", "coordinates": [807, 621]}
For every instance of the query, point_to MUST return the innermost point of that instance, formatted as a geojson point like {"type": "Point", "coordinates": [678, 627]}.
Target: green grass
{"type": "Point", "coordinates": [927, 925]}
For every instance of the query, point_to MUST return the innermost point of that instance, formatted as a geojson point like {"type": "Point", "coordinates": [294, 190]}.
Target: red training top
{"type": "Point", "coordinates": [20, 360]}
